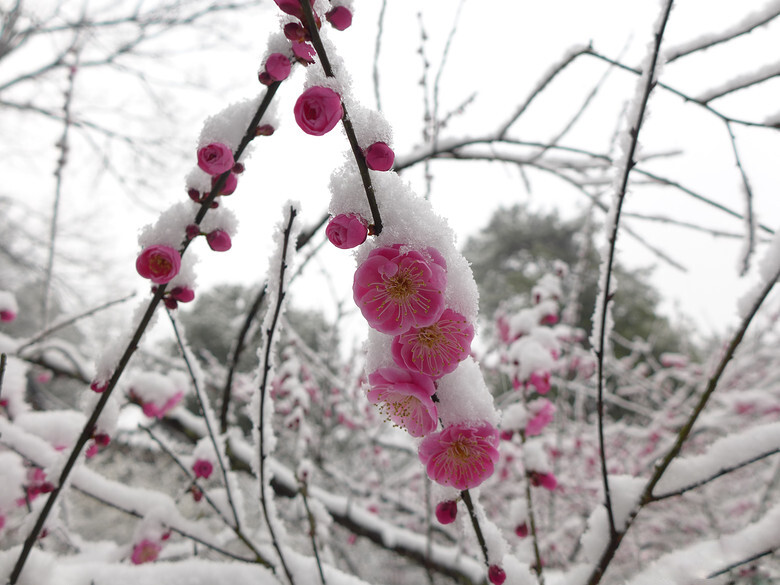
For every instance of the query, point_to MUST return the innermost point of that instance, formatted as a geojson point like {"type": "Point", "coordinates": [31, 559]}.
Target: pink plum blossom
{"type": "Point", "coordinates": [346, 231]}
{"type": "Point", "coordinates": [446, 512]}
{"type": "Point", "coordinates": [339, 17]}
{"type": "Point", "coordinates": [145, 551]}
{"type": "Point", "coordinates": [278, 66]}
{"type": "Point", "coordinates": [380, 157]}
{"type": "Point", "coordinates": [461, 456]}
{"type": "Point", "coordinates": [437, 349]}
{"type": "Point", "coordinates": [158, 263]}
{"type": "Point", "coordinates": [540, 381]}
{"type": "Point", "coordinates": [215, 158]}
{"type": "Point", "coordinates": [396, 291]}
{"type": "Point", "coordinates": [202, 468]}
{"type": "Point", "coordinates": [219, 240]}
{"type": "Point", "coordinates": [543, 412]}
{"type": "Point", "coordinates": [405, 398]}
{"type": "Point", "coordinates": [318, 110]}
{"type": "Point", "coordinates": [496, 575]}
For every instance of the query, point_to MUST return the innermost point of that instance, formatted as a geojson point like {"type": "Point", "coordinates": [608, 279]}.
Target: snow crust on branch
{"type": "Point", "coordinates": [723, 454]}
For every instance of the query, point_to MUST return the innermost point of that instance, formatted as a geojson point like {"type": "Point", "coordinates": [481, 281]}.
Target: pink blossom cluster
{"type": "Point", "coordinates": [339, 17]}
{"type": "Point", "coordinates": [400, 292]}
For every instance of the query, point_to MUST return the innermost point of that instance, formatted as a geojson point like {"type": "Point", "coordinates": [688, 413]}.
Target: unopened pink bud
{"type": "Point", "coordinates": [295, 32]}
{"type": "Point", "coordinates": [496, 575]}
{"type": "Point", "coordinates": [340, 17]}
{"type": "Point", "coordinates": [202, 468]}
{"type": "Point", "coordinates": [318, 110]}
{"type": "Point", "coordinates": [346, 231]}
{"type": "Point", "coordinates": [215, 158]}
{"type": "Point", "coordinates": [230, 184]}
{"type": "Point", "coordinates": [380, 157]}
{"type": "Point", "coordinates": [278, 66]}
{"type": "Point", "coordinates": [264, 130]}
{"type": "Point", "coordinates": [219, 240]}
{"type": "Point", "coordinates": [446, 512]}
{"type": "Point", "coordinates": [521, 530]}
{"type": "Point", "coordinates": [7, 315]}
{"type": "Point", "coordinates": [183, 294]}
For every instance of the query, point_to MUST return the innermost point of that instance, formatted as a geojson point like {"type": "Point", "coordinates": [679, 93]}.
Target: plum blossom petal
{"type": "Point", "coordinates": [405, 398]}
{"type": "Point", "coordinates": [396, 291]}
{"type": "Point", "coordinates": [461, 456]}
{"type": "Point", "coordinates": [437, 349]}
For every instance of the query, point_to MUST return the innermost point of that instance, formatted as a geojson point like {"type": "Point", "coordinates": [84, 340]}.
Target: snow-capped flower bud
{"type": "Point", "coordinates": [521, 530]}
{"type": "Point", "coordinates": [496, 575]}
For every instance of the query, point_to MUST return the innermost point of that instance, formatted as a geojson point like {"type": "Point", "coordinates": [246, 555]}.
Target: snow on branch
{"type": "Point", "coordinates": [744, 26]}
{"type": "Point", "coordinates": [725, 455]}
{"type": "Point", "coordinates": [704, 559]}
{"type": "Point", "coordinates": [740, 82]}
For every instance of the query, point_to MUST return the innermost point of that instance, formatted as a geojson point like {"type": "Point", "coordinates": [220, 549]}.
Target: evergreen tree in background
{"type": "Point", "coordinates": [518, 246]}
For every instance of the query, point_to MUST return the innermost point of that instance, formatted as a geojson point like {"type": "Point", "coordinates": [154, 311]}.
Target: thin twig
{"type": "Point", "coordinates": [208, 417]}
{"type": "Point", "coordinates": [62, 161]}
{"type": "Point", "coordinates": [538, 569]}
{"type": "Point", "coordinates": [263, 389]}
{"type": "Point", "coordinates": [70, 321]}
{"type": "Point", "coordinates": [357, 151]}
{"type": "Point", "coordinates": [606, 293]}
{"type": "Point", "coordinates": [750, 227]}
{"type": "Point", "coordinates": [466, 497]}
{"type": "Point", "coordinates": [380, 28]}
{"type": "Point", "coordinates": [312, 530]}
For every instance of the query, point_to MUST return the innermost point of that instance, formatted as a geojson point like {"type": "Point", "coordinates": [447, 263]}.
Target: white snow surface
{"type": "Point", "coordinates": [8, 301]}
{"type": "Point", "coordinates": [723, 454]}
{"type": "Point", "coordinates": [464, 397]}
{"type": "Point", "coordinates": [692, 565]}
